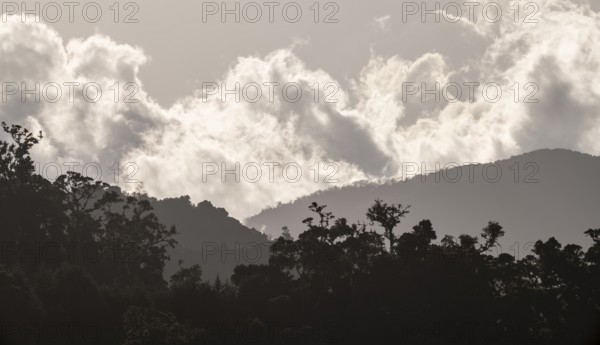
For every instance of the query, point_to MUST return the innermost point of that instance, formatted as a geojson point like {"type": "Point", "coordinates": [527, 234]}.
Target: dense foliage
{"type": "Point", "coordinates": [82, 264]}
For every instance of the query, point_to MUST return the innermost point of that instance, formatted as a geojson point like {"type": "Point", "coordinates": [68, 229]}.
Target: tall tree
{"type": "Point", "coordinates": [388, 216]}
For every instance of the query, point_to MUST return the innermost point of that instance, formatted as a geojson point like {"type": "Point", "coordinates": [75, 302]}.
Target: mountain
{"type": "Point", "coordinates": [537, 195]}
{"type": "Point", "coordinates": [208, 237]}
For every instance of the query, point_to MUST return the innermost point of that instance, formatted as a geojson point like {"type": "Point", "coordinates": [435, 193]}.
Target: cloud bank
{"type": "Point", "coordinates": [369, 132]}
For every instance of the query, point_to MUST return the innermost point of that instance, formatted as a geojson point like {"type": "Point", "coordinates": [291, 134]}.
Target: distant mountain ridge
{"type": "Point", "coordinates": [537, 195]}
{"type": "Point", "coordinates": [209, 237]}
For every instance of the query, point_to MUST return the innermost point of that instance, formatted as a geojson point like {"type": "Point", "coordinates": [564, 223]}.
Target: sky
{"type": "Point", "coordinates": [528, 78]}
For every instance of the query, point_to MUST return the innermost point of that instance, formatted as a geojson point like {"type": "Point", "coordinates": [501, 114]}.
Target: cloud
{"type": "Point", "coordinates": [383, 22]}
{"type": "Point", "coordinates": [369, 131]}
{"type": "Point", "coordinates": [75, 129]}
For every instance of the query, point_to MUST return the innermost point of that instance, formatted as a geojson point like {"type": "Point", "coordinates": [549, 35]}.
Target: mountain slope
{"type": "Point", "coordinates": [555, 193]}
{"type": "Point", "coordinates": [208, 237]}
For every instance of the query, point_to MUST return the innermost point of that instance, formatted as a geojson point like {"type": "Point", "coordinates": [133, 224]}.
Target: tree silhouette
{"type": "Point", "coordinates": [388, 216]}
{"type": "Point", "coordinates": [335, 283]}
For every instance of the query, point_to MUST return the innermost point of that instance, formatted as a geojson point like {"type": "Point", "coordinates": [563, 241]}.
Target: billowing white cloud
{"type": "Point", "coordinates": [369, 132]}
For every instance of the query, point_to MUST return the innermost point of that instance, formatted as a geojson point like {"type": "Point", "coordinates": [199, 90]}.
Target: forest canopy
{"type": "Point", "coordinates": [83, 263]}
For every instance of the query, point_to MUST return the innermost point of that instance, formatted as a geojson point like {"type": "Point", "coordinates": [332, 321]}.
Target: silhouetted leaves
{"type": "Point", "coordinates": [335, 283]}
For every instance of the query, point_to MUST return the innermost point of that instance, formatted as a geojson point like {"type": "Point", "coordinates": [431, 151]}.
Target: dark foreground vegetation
{"type": "Point", "coordinates": [82, 264]}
